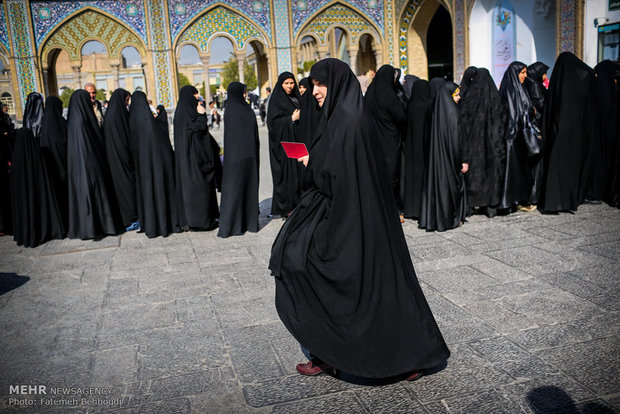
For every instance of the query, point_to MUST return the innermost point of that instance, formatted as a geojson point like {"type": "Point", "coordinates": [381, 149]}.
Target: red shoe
{"type": "Point", "coordinates": [311, 369]}
{"type": "Point", "coordinates": [414, 376]}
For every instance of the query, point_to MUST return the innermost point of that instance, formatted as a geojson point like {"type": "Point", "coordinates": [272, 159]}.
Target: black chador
{"type": "Point", "coordinates": [444, 202]}
{"type": "Point", "coordinates": [308, 115]}
{"type": "Point", "coordinates": [93, 211]}
{"type": "Point", "coordinates": [195, 165]}
{"type": "Point", "coordinates": [53, 141]}
{"type": "Point", "coordinates": [120, 155]}
{"type": "Point", "coordinates": [607, 73]}
{"type": "Point", "coordinates": [385, 107]}
{"type": "Point", "coordinates": [345, 285]}
{"type": "Point", "coordinates": [281, 128]}
{"type": "Point", "coordinates": [7, 141]}
{"type": "Point", "coordinates": [415, 157]}
{"type": "Point", "coordinates": [568, 128]}
{"type": "Point", "coordinates": [482, 120]}
{"type": "Point", "coordinates": [36, 215]}
{"type": "Point", "coordinates": [33, 113]}
{"type": "Point", "coordinates": [162, 119]}
{"type": "Point", "coordinates": [239, 205]}
{"type": "Point", "coordinates": [154, 160]}
{"type": "Point", "coordinates": [518, 176]}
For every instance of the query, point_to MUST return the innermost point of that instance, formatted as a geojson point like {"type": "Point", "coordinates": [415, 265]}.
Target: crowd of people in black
{"type": "Point", "coordinates": [105, 171]}
{"type": "Point", "coordinates": [451, 150]}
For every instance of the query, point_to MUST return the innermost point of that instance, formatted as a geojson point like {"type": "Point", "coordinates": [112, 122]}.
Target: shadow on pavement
{"type": "Point", "coordinates": [10, 281]}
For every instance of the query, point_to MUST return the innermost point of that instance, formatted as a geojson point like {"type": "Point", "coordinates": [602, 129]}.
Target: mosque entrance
{"type": "Point", "coordinates": [439, 46]}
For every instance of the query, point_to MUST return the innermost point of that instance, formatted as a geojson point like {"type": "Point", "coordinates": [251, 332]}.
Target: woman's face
{"type": "Point", "coordinates": [288, 85]}
{"type": "Point", "coordinates": [319, 91]}
{"type": "Point", "coordinates": [302, 89]}
{"type": "Point", "coordinates": [523, 75]}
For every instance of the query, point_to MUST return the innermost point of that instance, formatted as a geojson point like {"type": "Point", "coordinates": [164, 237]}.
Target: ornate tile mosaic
{"type": "Point", "coordinates": [4, 39]}
{"type": "Point", "coordinates": [47, 14]}
{"type": "Point", "coordinates": [343, 15]}
{"type": "Point", "coordinates": [389, 31]}
{"type": "Point", "coordinates": [403, 33]}
{"type": "Point", "coordinates": [92, 24]}
{"type": "Point", "coordinates": [183, 11]}
{"type": "Point", "coordinates": [220, 20]}
{"type": "Point", "coordinates": [23, 50]}
{"type": "Point", "coordinates": [304, 9]}
{"type": "Point", "coordinates": [162, 52]}
{"type": "Point", "coordinates": [459, 37]}
{"type": "Point", "coordinates": [567, 26]}
{"type": "Point", "coordinates": [283, 36]}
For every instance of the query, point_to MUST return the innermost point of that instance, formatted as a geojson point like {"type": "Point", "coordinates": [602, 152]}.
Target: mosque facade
{"type": "Point", "coordinates": [421, 37]}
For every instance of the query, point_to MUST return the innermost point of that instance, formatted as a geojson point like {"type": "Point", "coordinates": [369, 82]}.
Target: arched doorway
{"type": "Point", "coordinates": [366, 59]}
{"type": "Point", "coordinates": [426, 30]}
{"type": "Point", "coordinates": [131, 72]}
{"type": "Point", "coordinates": [439, 49]}
{"type": "Point", "coordinates": [307, 55]}
{"type": "Point", "coordinates": [338, 44]}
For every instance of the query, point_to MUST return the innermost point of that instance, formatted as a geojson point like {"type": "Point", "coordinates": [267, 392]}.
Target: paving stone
{"type": "Point", "coordinates": [479, 402]}
{"type": "Point", "coordinates": [551, 336]}
{"type": "Point", "coordinates": [545, 393]}
{"type": "Point", "coordinates": [500, 318]}
{"type": "Point", "coordinates": [291, 388]}
{"type": "Point", "coordinates": [180, 355]}
{"type": "Point", "coordinates": [246, 312]}
{"type": "Point", "coordinates": [456, 279]}
{"type": "Point", "coordinates": [331, 404]}
{"type": "Point", "coordinates": [393, 398]}
{"type": "Point", "coordinates": [497, 291]}
{"type": "Point", "coordinates": [466, 373]}
{"type": "Point", "coordinates": [443, 250]}
{"type": "Point", "coordinates": [595, 364]}
{"type": "Point", "coordinates": [116, 366]}
{"type": "Point", "coordinates": [604, 297]}
{"type": "Point", "coordinates": [550, 306]}
{"type": "Point", "coordinates": [511, 358]}
{"type": "Point", "coordinates": [609, 249]}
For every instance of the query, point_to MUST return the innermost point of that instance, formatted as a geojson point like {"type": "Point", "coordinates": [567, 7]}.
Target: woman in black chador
{"type": "Point", "coordinates": [93, 211]}
{"type": "Point", "coordinates": [482, 120]}
{"type": "Point", "coordinates": [53, 142]}
{"type": "Point", "coordinates": [282, 114]}
{"type": "Point", "coordinates": [385, 107]}
{"type": "Point", "coordinates": [154, 161]}
{"type": "Point", "coordinates": [607, 96]}
{"type": "Point", "coordinates": [569, 128]}
{"type": "Point", "coordinates": [195, 164]}
{"type": "Point", "coordinates": [444, 202]}
{"type": "Point", "coordinates": [36, 215]}
{"type": "Point", "coordinates": [415, 156]}
{"type": "Point", "coordinates": [7, 141]}
{"type": "Point", "coordinates": [120, 156]}
{"type": "Point", "coordinates": [162, 119]}
{"type": "Point", "coordinates": [345, 285]}
{"type": "Point", "coordinates": [519, 173]}
{"type": "Point", "coordinates": [239, 205]}
{"type": "Point", "coordinates": [308, 115]}
{"type": "Point", "coordinates": [33, 113]}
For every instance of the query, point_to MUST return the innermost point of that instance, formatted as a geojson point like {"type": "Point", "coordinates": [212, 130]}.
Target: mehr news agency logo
{"type": "Point", "coordinates": [42, 395]}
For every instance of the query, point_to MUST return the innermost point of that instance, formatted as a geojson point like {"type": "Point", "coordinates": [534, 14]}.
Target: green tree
{"type": "Point", "coordinates": [183, 80]}
{"type": "Point", "coordinates": [230, 73]}
{"type": "Point", "coordinates": [101, 95]}
{"type": "Point", "coordinates": [65, 96]}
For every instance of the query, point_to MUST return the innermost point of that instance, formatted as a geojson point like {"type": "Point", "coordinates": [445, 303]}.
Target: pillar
{"type": "Point", "coordinates": [204, 58]}
{"type": "Point", "coordinates": [353, 58]}
{"type": "Point", "coordinates": [241, 63]}
{"type": "Point", "coordinates": [116, 73]}
{"type": "Point", "coordinates": [77, 75]}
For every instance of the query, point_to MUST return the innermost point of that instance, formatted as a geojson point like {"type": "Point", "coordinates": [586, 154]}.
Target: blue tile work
{"type": "Point", "coordinates": [162, 53]}
{"type": "Point", "coordinates": [283, 36]}
{"type": "Point", "coordinates": [338, 13]}
{"type": "Point", "coordinates": [23, 50]}
{"type": "Point", "coordinates": [47, 14]}
{"type": "Point", "coordinates": [183, 11]}
{"type": "Point", "coordinates": [304, 9]}
{"type": "Point", "coordinates": [4, 39]}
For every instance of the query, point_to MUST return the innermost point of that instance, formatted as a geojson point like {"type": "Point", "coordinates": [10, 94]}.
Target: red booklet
{"type": "Point", "coordinates": [294, 149]}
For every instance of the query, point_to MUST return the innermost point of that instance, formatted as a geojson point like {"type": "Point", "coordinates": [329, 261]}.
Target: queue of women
{"type": "Point", "coordinates": [92, 175]}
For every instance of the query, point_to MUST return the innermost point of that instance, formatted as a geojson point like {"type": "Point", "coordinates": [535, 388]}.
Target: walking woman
{"type": "Point", "coordinates": [345, 285]}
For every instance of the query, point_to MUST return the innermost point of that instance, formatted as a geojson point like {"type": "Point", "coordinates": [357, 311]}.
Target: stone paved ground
{"type": "Point", "coordinates": [527, 303]}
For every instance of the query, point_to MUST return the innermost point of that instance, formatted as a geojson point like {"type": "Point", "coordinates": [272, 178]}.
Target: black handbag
{"type": "Point", "coordinates": [532, 137]}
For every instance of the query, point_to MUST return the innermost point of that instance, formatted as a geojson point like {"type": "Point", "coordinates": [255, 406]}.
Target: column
{"type": "Point", "coordinates": [77, 75]}
{"type": "Point", "coordinates": [353, 58]}
{"type": "Point", "coordinates": [241, 63]}
{"type": "Point", "coordinates": [204, 58]}
{"type": "Point", "coordinates": [116, 73]}
{"type": "Point", "coordinates": [323, 51]}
